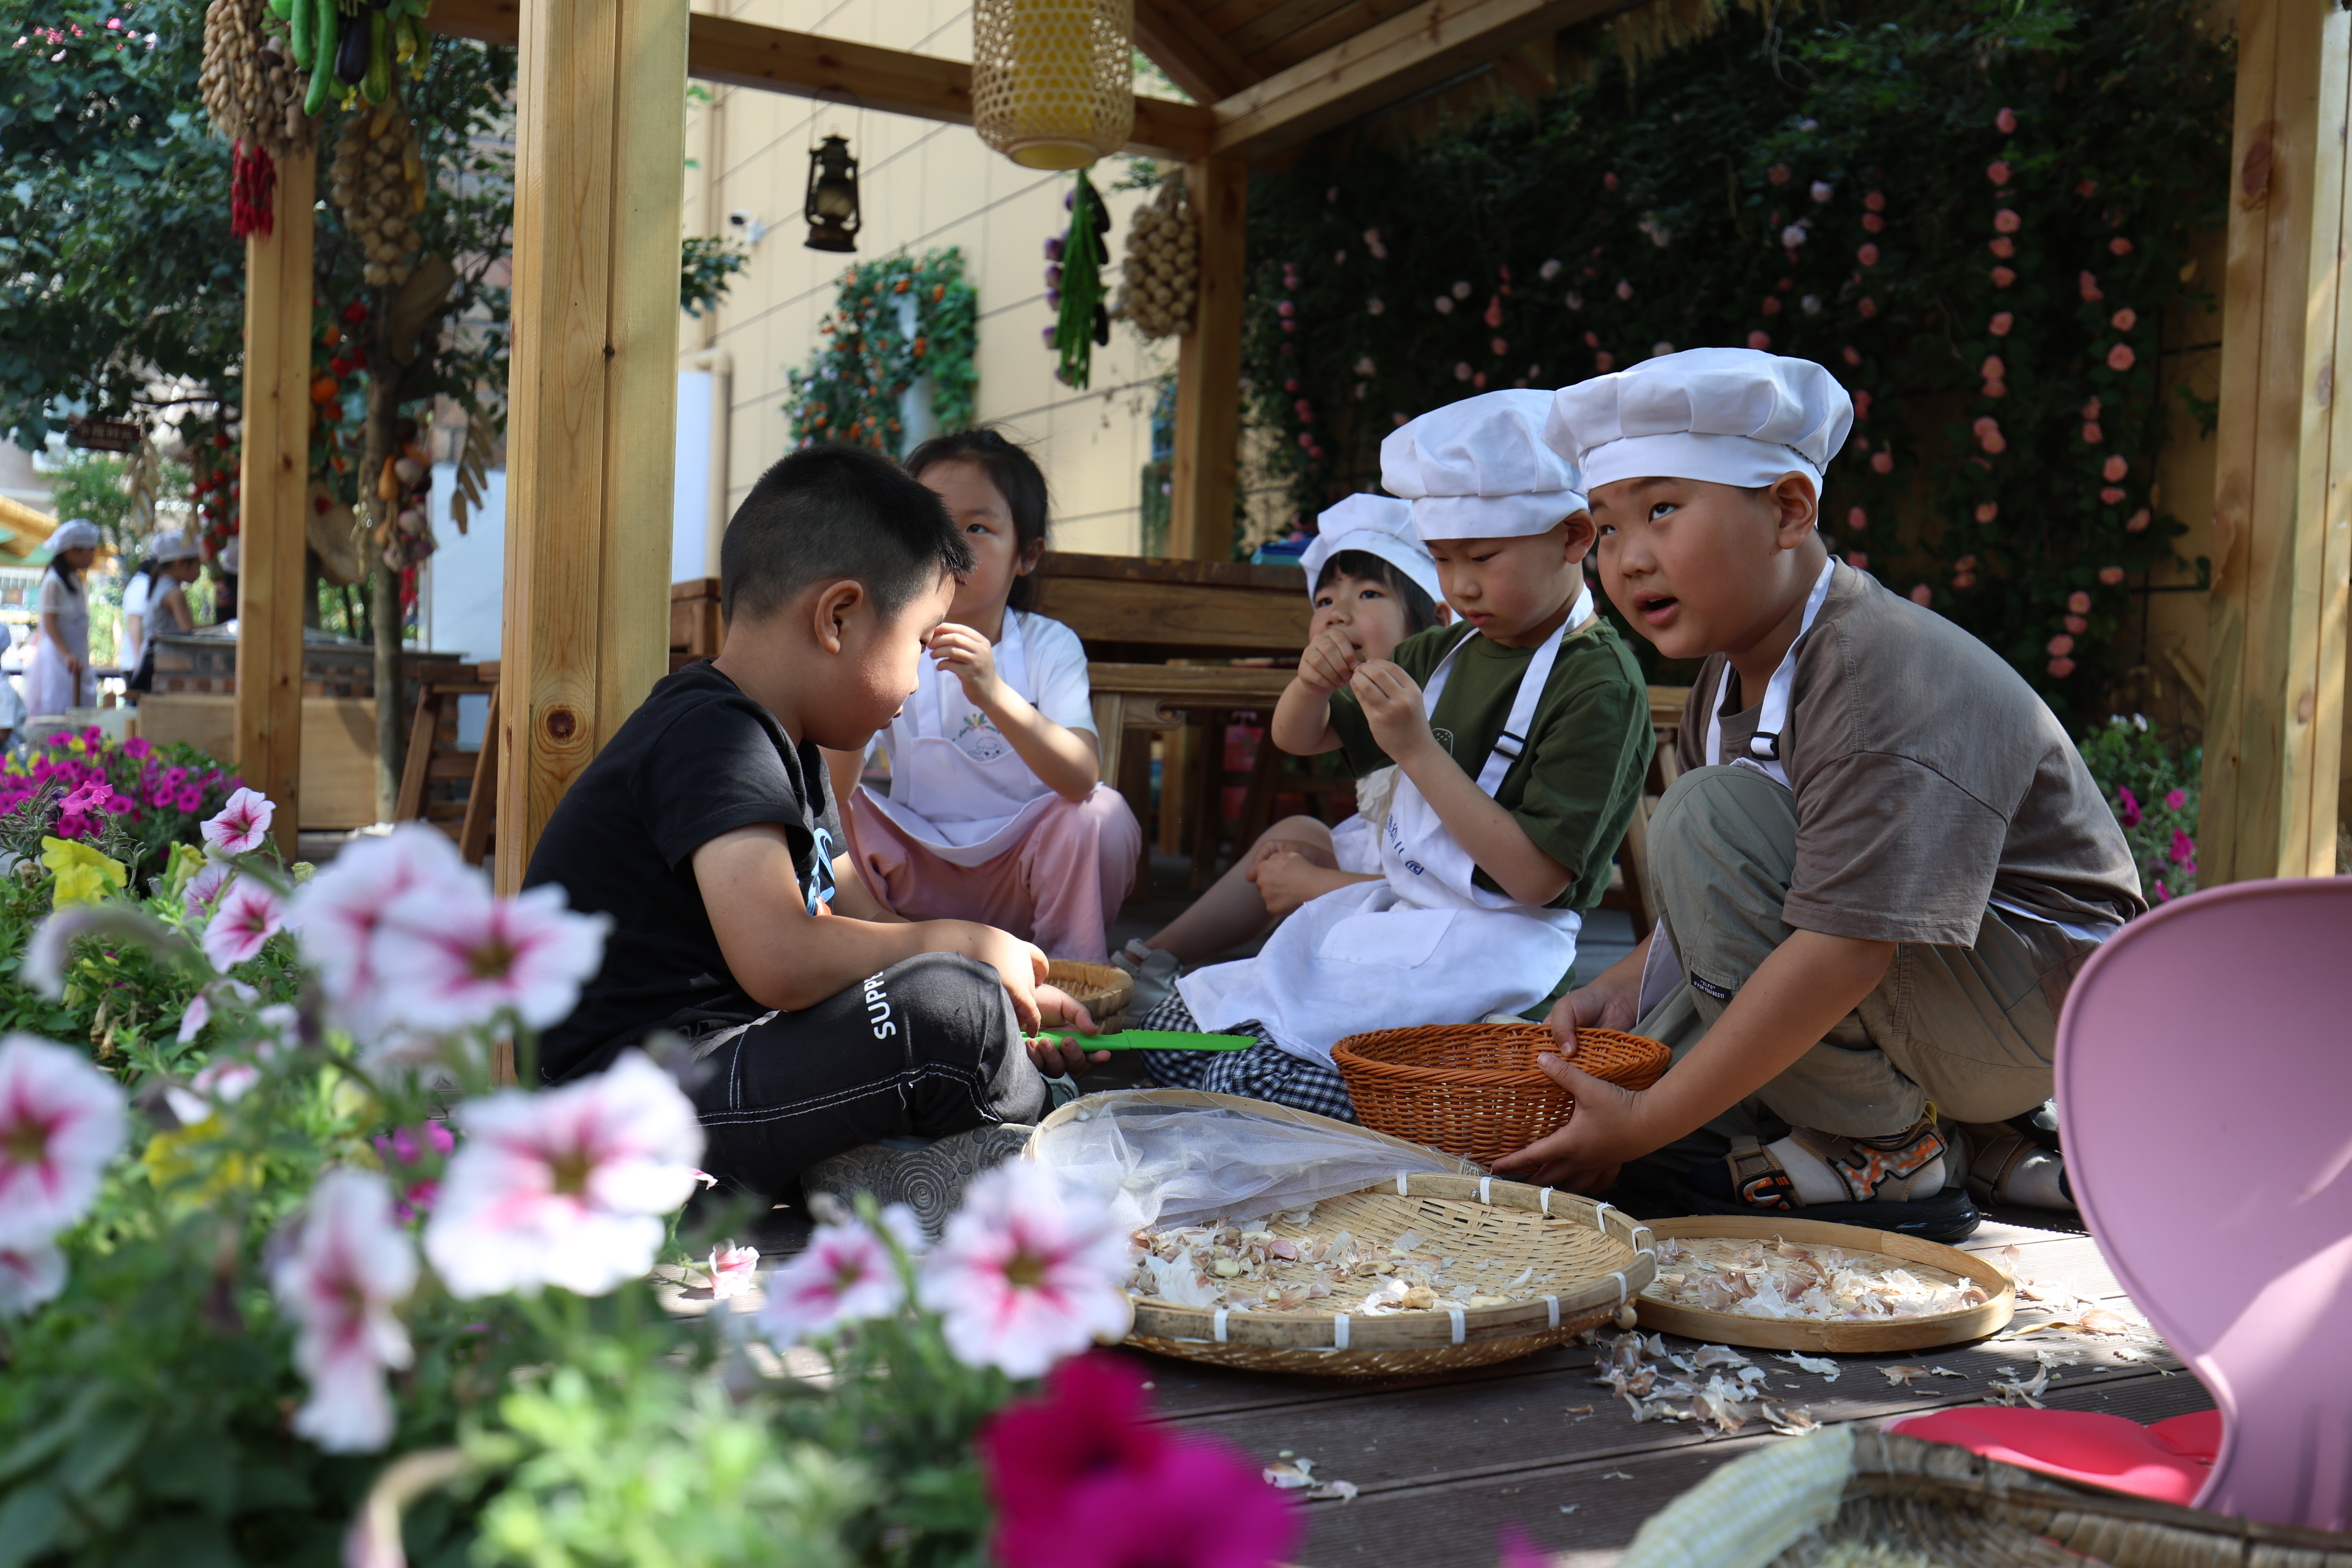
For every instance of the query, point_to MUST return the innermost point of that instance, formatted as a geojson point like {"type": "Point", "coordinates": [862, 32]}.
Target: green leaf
{"type": "Point", "coordinates": [179, 1543]}
{"type": "Point", "coordinates": [109, 1440]}
{"type": "Point", "coordinates": [32, 1520]}
{"type": "Point", "coordinates": [189, 1464]}
{"type": "Point", "coordinates": [51, 1436]}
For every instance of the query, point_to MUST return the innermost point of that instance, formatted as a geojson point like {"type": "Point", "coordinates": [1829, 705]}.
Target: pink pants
{"type": "Point", "coordinates": [1058, 888]}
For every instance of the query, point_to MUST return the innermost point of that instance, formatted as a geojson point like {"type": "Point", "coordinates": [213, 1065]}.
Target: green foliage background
{"type": "Point", "coordinates": [1629, 213]}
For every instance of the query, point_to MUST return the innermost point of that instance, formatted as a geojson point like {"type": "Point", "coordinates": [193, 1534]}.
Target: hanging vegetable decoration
{"type": "Point", "coordinates": [253, 95]}
{"type": "Point", "coordinates": [379, 186]}
{"type": "Point", "coordinates": [1162, 274]}
{"type": "Point", "coordinates": [352, 49]}
{"type": "Point", "coordinates": [406, 482]}
{"type": "Point", "coordinates": [1075, 284]}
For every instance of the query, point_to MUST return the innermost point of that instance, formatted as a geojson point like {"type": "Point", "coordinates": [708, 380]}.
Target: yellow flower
{"type": "Point", "coordinates": [186, 861]}
{"type": "Point", "coordinates": [84, 876]}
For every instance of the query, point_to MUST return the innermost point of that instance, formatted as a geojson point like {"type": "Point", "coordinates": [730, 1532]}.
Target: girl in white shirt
{"type": "Point", "coordinates": [996, 810]}
{"type": "Point", "coordinates": [153, 602]}
{"type": "Point", "coordinates": [58, 677]}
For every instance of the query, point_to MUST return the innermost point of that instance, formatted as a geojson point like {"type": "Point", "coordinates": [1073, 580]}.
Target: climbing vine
{"type": "Point", "coordinates": [1978, 215]}
{"type": "Point", "coordinates": [894, 321]}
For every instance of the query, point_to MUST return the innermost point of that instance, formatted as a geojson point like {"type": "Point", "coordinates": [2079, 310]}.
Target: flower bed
{"type": "Point", "coordinates": [156, 795]}
{"type": "Point", "coordinates": [287, 1276]}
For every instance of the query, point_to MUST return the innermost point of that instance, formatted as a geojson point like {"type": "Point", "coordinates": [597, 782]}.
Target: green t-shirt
{"type": "Point", "coordinates": [1575, 786]}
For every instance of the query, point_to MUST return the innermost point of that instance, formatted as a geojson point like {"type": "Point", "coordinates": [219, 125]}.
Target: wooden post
{"type": "Point", "coordinates": [1209, 369]}
{"type": "Point", "coordinates": [273, 482]}
{"type": "Point", "coordinates": [600, 170]}
{"type": "Point", "coordinates": [2283, 522]}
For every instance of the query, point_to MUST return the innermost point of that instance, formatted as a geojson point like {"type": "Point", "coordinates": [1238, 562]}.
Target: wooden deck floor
{"type": "Point", "coordinates": [1444, 1463]}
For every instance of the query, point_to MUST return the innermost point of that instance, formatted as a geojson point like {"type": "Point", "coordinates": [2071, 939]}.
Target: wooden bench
{"type": "Point", "coordinates": [435, 763]}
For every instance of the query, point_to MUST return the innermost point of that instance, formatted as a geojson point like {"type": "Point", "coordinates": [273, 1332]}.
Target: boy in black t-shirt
{"type": "Point", "coordinates": [825, 1024]}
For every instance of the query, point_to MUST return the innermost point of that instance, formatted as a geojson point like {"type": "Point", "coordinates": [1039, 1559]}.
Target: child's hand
{"type": "Point", "coordinates": [1328, 663]}
{"type": "Point", "coordinates": [1605, 1132]}
{"type": "Point", "coordinates": [1393, 707]}
{"type": "Point", "coordinates": [1019, 965]}
{"type": "Point", "coordinates": [1053, 1058]}
{"type": "Point", "coordinates": [966, 655]}
{"type": "Point", "coordinates": [1287, 876]}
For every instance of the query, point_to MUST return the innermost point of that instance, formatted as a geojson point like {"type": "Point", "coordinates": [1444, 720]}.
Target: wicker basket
{"type": "Point", "coordinates": [1603, 1257]}
{"type": "Point", "coordinates": [1102, 989]}
{"type": "Point", "coordinates": [1475, 1088]}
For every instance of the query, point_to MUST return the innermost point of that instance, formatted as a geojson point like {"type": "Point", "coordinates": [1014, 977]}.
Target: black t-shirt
{"type": "Point", "coordinates": [698, 760]}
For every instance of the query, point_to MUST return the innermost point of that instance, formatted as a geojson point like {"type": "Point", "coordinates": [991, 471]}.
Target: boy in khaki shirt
{"type": "Point", "coordinates": [1883, 868]}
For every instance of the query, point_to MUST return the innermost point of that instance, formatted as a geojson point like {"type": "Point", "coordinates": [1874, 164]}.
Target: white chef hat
{"type": "Point", "coordinates": [1736, 416]}
{"type": "Point", "coordinates": [232, 555]}
{"type": "Point", "coordinates": [74, 533]}
{"type": "Point", "coordinates": [1480, 469]}
{"type": "Point", "coordinates": [171, 545]}
{"type": "Point", "coordinates": [1378, 525]}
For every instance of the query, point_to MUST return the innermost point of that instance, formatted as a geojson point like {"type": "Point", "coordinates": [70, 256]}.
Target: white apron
{"type": "Point", "coordinates": [50, 688]}
{"type": "Point", "coordinates": [1423, 945]}
{"type": "Point", "coordinates": [965, 810]}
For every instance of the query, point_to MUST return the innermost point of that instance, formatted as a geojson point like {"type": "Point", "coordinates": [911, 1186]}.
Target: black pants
{"type": "Point", "coordinates": [926, 1047]}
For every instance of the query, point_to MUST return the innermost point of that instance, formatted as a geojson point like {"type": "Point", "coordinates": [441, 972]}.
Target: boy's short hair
{"type": "Point", "coordinates": [1419, 609]}
{"type": "Point", "coordinates": [832, 511]}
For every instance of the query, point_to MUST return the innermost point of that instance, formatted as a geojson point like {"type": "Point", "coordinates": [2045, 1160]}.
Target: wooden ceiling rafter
{"type": "Point", "coordinates": [1407, 52]}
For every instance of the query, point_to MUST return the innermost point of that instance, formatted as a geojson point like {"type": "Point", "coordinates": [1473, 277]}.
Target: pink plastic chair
{"type": "Point", "coordinates": [2205, 1100]}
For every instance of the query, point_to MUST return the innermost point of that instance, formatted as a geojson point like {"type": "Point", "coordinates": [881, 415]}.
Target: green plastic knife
{"type": "Point", "coordinates": [1152, 1040]}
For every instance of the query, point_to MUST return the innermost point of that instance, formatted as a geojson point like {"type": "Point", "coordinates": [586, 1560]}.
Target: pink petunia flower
{"type": "Point", "coordinates": [565, 1186]}
{"type": "Point", "coordinates": [224, 1082]}
{"type": "Point", "coordinates": [189, 799]}
{"type": "Point", "coordinates": [1090, 1420]}
{"type": "Point", "coordinates": [199, 1013]}
{"type": "Point", "coordinates": [61, 1120]}
{"type": "Point", "coordinates": [454, 957]}
{"type": "Point", "coordinates": [242, 825]}
{"type": "Point", "coordinates": [2163, 894]}
{"type": "Point", "coordinates": [338, 911]}
{"type": "Point", "coordinates": [2130, 816]}
{"type": "Point", "coordinates": [2184, 851]}
{"type": "Point", "coordinates": [733, 1270]}
{"type": "Point", "coordinates": [1201, 1505]}
{"type": "Point", "coordinates": [249, 915]}
{"type": "Point", "coordinates": [2176, 800]}
{"type": "Point", "coordinates": [349, 1265]}
{"type": "Point", "coordinates": [1027, 1272]}
{"type": "Point", "coordinates": [29, 1276]}
{"type": "Point", "coordinates": [846, 1275]}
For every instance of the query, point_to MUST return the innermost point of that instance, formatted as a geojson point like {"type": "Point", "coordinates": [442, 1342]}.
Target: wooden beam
{"type": "Point", "coordinates": [776, 59]}
{"type": "Point", "coordinates": [273, 483]}
{"type": "Point", "coordinates": [1387, 61]}
{"type": "Point", "coordinates": [1195, 55]}
{"type": "Point", "coordinates": [599, 158]}
{"type": "Point", "coordinates": [2283, 523]}
{"type": "Point", "coordinates": [1209, 369]}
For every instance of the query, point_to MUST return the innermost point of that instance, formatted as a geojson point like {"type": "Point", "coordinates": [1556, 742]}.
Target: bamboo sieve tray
{"type": "Point", "coordinates": [1851, 1336]}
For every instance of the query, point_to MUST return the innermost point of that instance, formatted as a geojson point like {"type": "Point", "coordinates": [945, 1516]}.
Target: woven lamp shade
{"type": "Point", "coordinates": [1052, 81]}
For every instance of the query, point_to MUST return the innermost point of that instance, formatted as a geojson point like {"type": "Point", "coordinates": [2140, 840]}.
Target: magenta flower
{"type": "Point", "coordinates": [2130, 803]}
{"type": "Point", "coordinates": [137, 747]}
{"type": "Point", "coordinates": [91, 796]}
{"type": "Point", "coordinates": [349, 1265]}
{"type": "Point", "coordinates": [1091, 1418]}
{"type": "Point", "coordinates": [189, 799]}
{"type": "Point", "coordinates": [846, 1275]}
{"type": "Point", "coordinates": [61, 1120]}
{"type": "Point", "coordinates": [2184, 851]}
{"type": "Point", "coordinates": [1027, 1272]}
{"type": "Point", "coordinates": [564, 1186]}
{"type": "Point", "coordinates": [249, 915]}
{"type": "Point", "coordinates": [2163, 894]}
{"type": "Point", "coordinates": [454, 957]}
{"type": "Point", "coordinates": [242, 825]}
{"type": "Point", "coordinates": [338, 911]}
{"type": "Point", "coordinates": [2176, 800]}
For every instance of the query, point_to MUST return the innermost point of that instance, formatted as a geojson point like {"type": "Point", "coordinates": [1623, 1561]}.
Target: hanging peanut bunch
{"type": "Point", "coordinates": [1162, 271]}
{"type": "Point", "coordinates": [379, 186]}
{"type": "Point", "coordinates": [253, 95]}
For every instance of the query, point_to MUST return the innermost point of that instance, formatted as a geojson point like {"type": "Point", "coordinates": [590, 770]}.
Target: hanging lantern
{"type": "Point", "coordinates": [831, 207]}
{"type": "Point", "coordinates": [1052, 81]}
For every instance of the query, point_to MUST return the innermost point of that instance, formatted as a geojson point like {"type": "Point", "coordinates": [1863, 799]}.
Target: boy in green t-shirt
{"type": "Point", "coordinates": [1521, 739]}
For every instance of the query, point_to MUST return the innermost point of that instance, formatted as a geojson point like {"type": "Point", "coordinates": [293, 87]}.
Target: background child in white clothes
{"type": "Point", "coordinates": [996, 810]}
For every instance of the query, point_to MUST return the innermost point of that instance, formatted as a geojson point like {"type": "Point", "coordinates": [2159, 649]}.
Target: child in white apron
{"type": "Point", "coordinates": [1521, 741]}
{"type": "Point", "coordinates": [1881, 867]}
{"type": "Point", "coordinates": [1368, 573]}
{"type": "Point", "coordinates": [57, 675]}
{"type": "Point", "coordinates": [996, 810]}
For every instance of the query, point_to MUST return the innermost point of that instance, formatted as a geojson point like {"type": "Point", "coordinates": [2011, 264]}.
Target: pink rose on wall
{"type": "Point", "coordinates": [2006, 221]}
{"type": "Point", "coordinates": [2091, 409]}
{"type": "Point", "coordinates": [1997, 172]}
{"type": "Point", "coordinates": [1921, 595]}
{"type": "Point", "coordinates": [2006, 122]}
{"type": "Point", "coordinates": [2121, 358]}
{"type": "Point", "coordinates": [1857, 519]}
{"type": "Point", "coordinates": [1850, 354]}
{"type": "Point", "coordinates": [2093, 435]}
{"type": "Point", "coordinates": [1882, 462]}
{"type": "Point", "coordinates": [1771, 306]}
{"type": "Point", "coordinates": [1875, 201]}
{"type": "Point", "coordinates": [1988, 436]}
{"type": "Point", "coordinates": [1989, 511]}
{"type": "Point", "coordinates": [2003, 247]}
{"type": "Point", "coordinates": [2062, 667]}
{"type": "Point", "coordinates": [2111, 496]}
{"type": "Point", "coordinates": [2120, 245]}
{"type": "Point", "coordinates": [2090, 286]}
{"type": "Point", "coordinates": [1862, 405]}
{"type": "Point", "coordinates": [2110, 576]}
{"type": "Point", "coordinates": [2137, 522]}
{"type": "Point", "coordinates": [1778, 174]}
{"type": "Point", "coordinates": [2003, 277]}
{"type": "Point", "coordinates": [2079, 602]}
{"type": "Point", "coordinates": [1866, 306]}
{"type": "Point", "coordinates": [2125, 320]}
{"type": "Point", "coordinates": [2077, 625]}
{"type": "Point", "coordinates": [1760, 340]}
{"type": "Point", "coordinates": [2000, 323]}
{"type": "Point", "coordinates": [1873, 223]}
{"type": "Point", "coordinates": [1868, 256]}
{"type": "Point", "coordinates": [2115, 468]}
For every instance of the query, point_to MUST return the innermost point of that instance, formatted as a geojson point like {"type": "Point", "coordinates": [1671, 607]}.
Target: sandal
{"type": "Point", "coordinates": [2000, 1159]}
{"type": "Point", "coordinates": [1878, 1174]}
